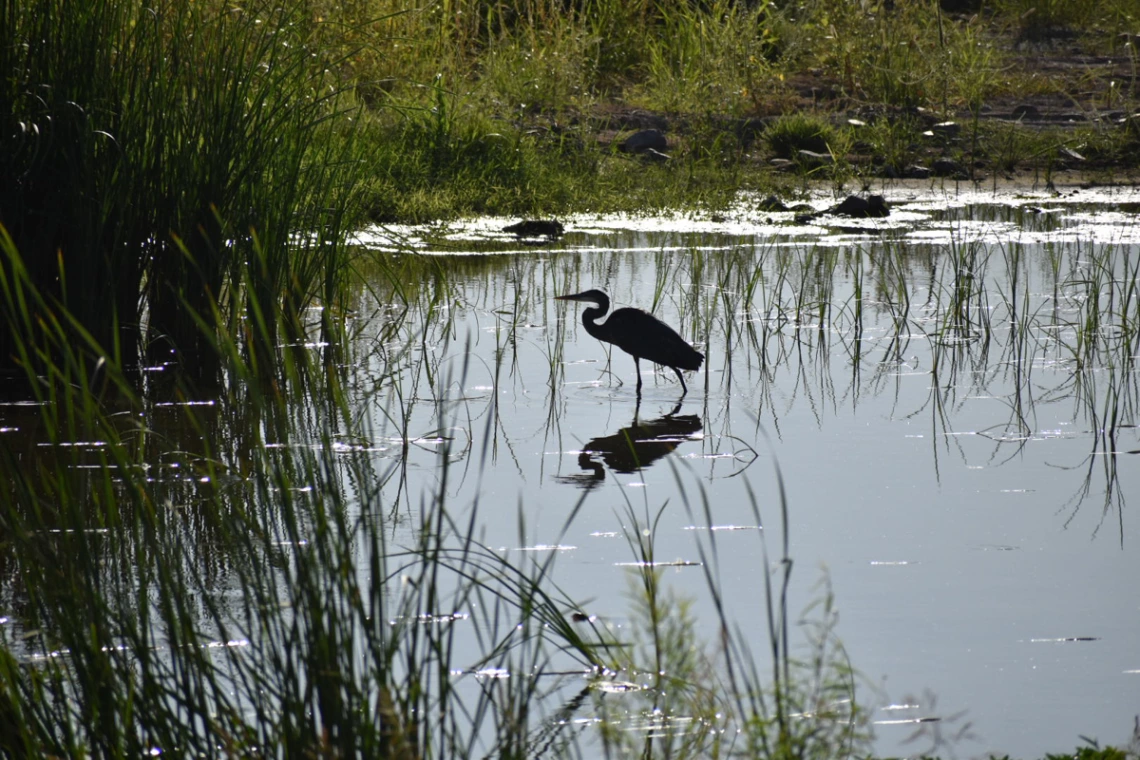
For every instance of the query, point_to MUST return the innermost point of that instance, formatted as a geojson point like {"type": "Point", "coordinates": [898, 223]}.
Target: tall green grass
{"type": "Point", "coordinates": [173, 157]}
{"type": "Point", "coordinates": [218, 576]}
{"type": "Point", "coordinates": [236, 591]}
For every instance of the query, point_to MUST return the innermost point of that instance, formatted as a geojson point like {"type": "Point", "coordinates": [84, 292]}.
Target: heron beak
{"type": "Point", "coordinates": [581, 297]}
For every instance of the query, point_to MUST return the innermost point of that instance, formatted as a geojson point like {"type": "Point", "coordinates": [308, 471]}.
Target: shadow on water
{"type": "Point", "coordinates": [634, 447]}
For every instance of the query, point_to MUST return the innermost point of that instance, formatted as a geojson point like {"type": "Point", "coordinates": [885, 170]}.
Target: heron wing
{"type": "Point", "coordinates": [647, 337]}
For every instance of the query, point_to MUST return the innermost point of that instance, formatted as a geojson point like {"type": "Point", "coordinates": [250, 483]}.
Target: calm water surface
{"type": "Point", "coordinates": [957, 439]}
{"type": "Point", "coordinates": [949, 395]}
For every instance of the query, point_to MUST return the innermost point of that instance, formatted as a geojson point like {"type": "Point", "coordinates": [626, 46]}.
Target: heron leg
{"type": "Point", "coordinates": [637, 364]}
{"type": "Point", "coordinates": [684, 388]}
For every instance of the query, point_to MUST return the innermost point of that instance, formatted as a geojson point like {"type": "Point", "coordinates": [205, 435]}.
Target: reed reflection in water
{"type": "Point", "coordinates": [952, 417]}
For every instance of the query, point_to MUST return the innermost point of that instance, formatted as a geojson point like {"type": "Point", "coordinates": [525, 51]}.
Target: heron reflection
{"type": "Point", "coordinates": [634, 447]}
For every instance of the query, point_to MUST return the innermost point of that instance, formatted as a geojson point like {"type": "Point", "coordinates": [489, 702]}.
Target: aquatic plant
{"type": "Point", "coordinates": [230, 591]}
{"type": "Point", "coordinates": [170, 159]}
{"type": "Point", "coordinates": [219, 574]}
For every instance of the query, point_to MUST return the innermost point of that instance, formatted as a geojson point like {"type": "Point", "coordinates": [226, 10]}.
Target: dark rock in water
{"type": "Point", "coordinates": [771, 203]}
{"type": "Point", "coordinates": [646, 139]}
{"type": "Point", "coordinates": [948, 167]}
{"type": "Point", "coordinates": [1026, 111]}
{"type": "Point", "coordinates": [862, 208]}
{"type": "Point", "coordinates": [535, 228]}
{"type": "Point", "coordinates": [806, 218]}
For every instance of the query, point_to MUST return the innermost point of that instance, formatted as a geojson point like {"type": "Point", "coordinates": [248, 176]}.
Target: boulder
{"type": "Point", "coordinates": [535, 228]}
{"type": "Point", "coordinates": [862, 208]}
{"type": "Point", "coordinates": [948, 167]}
{"type": "Point", "coordinates": [772, 203]}
{"type": "Point", "coordinates": [644, 140]}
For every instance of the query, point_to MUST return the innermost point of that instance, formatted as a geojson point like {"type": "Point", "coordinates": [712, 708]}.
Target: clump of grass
{"type": "Point", "coordinates": [157, 152]}
{"type": "Point", "coordinates": [692, 699]}
{"type": "Point", "coordinates": [891, 138]}
{"type": "Point", "coordinates": [253, 606]}
{"type": "Point", "coordinates": [788, 135]}
{"type": "Point", "coordinates": [708, 58]}
{"type": "Point", "coordinates": [447, 161]}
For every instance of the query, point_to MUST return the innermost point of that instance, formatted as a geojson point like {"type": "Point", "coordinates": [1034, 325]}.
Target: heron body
{"type": "Point", "coordinates": [639, 334]}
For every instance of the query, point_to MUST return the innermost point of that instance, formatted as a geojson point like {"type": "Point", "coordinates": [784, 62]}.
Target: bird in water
{"type": "Point", "coordinates": [641, 335]}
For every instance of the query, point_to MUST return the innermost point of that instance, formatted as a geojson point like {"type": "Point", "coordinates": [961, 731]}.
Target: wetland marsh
{"type": "Point", "coordinates": [932, 414]}
{"type": "Point", "coordinates": [274, 483]}
{"type": "Point", "coordinates": [950, 394]}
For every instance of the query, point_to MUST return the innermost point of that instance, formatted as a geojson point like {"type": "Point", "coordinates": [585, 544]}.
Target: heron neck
{"type": "Point", "coordinates": [593, 313]}
{"type": "Point", "coordinates": [592, 327]}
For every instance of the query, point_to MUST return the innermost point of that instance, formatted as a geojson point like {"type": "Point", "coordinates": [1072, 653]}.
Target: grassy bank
{"type": "Point", "coordinates": [551, 90]}
{"type": "Point", "coordinates": [205, 135]}
{"type": "Point", "coordinates": [204, 564]}
{"type": "Point", "coordinates": [162, 160]}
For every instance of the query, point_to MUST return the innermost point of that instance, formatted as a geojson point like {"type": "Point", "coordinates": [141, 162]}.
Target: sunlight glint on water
{"type": "Point", "coordinates": [948, 426]}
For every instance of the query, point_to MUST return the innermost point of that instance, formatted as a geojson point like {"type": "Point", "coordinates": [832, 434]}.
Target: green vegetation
{"type": "Point", "coordinates": [220, 579]}
{"type": "Point", "coordinates": [225, 581]}
{"type": "Point", "coordinates": [163, 158]}
{"type": "Point", "coordinates": [557, 86]}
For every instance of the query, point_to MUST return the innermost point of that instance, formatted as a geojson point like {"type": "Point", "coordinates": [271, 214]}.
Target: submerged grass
{"type": "Point", "coordinates": [184, 178]}
{"type": "Point", "coordinates": [965, 312]}
{"type": "Point", "coordinates": [219, 575]}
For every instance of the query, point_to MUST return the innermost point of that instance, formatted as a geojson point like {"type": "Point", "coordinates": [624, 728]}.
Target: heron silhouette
{"type": "Point", "coordinates": [639, 334]}
{"type": "Point", "coordinates": [635, 447]}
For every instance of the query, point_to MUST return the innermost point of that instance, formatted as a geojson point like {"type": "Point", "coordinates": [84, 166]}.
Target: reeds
{"type": "Point", "coordinates": [236, 591]}
{"type": "Point", "coordinates": [1035, 325]}
{"type": "Point", "coordinates": [218, 575]}
{"type": "Point", "coordinates": [165, 158]}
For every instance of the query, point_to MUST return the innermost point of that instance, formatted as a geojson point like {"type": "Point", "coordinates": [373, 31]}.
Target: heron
{"type": "Point", "coordinates": [639, 334]}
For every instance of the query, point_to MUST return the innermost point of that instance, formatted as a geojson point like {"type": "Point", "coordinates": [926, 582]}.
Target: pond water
{"type": "Point", "coordinates": [936, 410]}
{"type": "Point", "coordinates": [949, 395]}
